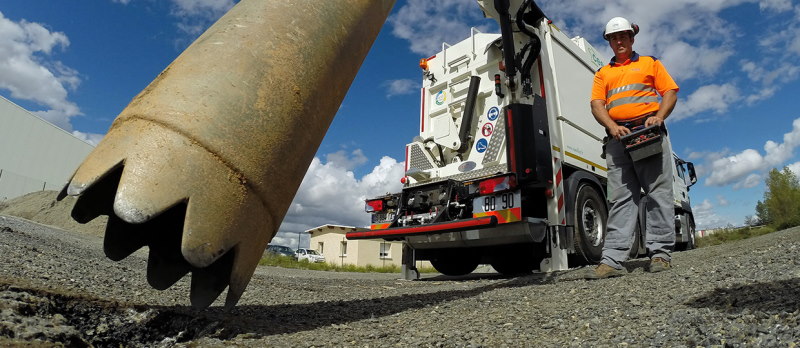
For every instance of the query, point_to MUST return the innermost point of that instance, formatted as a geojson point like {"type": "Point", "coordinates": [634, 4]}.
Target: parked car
{"type": "Point", "coordinates": [309, 254]}
{"type": "Point", "coordinates": [280, 250]}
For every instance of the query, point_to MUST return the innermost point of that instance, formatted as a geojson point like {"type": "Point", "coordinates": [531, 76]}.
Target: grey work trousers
{"type": "Point", "coordinates": [626, 181]}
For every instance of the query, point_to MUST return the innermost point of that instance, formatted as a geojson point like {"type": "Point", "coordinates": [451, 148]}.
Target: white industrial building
{"type": "Point", "coordinates": [35, 155]}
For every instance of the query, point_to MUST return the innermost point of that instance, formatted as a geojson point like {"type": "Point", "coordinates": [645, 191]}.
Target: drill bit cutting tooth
{"type": "Point", "coordinates": [244, 265]}
{"type": "Point", "coordinates": [165, 265]}
{"type": "Point", "coordinates": [164, 269]}
{"type": "Point", "coordinates": [97, 199]}
{"type": "Point", "coordinates": [123, 239]}
{"type": "Point", "coordinates": [209, 282]}
{"type": "Point", "coordinates": [243, 228]}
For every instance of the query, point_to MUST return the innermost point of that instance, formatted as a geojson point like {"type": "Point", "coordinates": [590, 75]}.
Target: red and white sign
{"type": "Point", "coordinates": [487, 129]}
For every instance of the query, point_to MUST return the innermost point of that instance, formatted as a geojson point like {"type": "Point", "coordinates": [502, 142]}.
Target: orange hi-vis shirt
{"type": "Point", "coordinates": [629, 88]}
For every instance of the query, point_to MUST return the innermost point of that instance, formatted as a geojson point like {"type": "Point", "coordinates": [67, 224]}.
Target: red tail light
{"type": "Point", "coordinates": [374, 205]}
{"type": "Point", "coordinates": [497, 184]}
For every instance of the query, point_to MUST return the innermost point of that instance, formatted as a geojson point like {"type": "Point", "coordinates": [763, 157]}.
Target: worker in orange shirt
{"type": "Point", "coordinates": [625, 95]}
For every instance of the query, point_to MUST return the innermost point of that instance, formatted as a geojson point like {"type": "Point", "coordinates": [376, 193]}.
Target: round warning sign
{"type": "Point", "coordinates": [487, 129]}
{"type": "Point", "coordinates": [493, 113]}
{"type": "Point", "coordinates": [441, 97]}
{"type": "Point", "coordinates": [481, 145]}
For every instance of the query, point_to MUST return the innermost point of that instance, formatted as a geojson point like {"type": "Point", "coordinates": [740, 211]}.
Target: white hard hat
{"type": "Point", "coordinates": [618, 24]}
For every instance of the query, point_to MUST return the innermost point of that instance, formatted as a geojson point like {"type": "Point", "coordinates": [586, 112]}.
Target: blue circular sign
{"type": "Point", "coordinates": [481, 145]}
{"type": "Point", "coordinates": [493, 113]}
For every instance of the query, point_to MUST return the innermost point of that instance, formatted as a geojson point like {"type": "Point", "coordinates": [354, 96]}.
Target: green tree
{"type": "Point", "coordinates": [762, 214]}
{"type": "Point", "coordinates": [781, 205]}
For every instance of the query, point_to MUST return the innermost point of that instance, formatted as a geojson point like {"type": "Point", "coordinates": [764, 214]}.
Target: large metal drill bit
{"type": "Point", "coordinates": [203, 164]}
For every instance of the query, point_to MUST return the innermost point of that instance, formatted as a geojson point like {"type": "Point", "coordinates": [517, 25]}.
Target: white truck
{"type": "Point", "coordinates": [507, 169]}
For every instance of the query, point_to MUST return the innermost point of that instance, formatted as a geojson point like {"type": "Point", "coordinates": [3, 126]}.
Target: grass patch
{"type": "Point", "coordinates": [290, 262]}
{"type": "Point", "coordinates": [732, 234]}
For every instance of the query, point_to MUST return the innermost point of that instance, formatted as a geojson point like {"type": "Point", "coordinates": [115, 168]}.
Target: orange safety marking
{"type": "Point", "coordinates": [503, 216]}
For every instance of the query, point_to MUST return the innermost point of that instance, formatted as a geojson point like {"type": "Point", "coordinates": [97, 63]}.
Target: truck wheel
{"type": "Point", "coordinates": [689, 233]}
{"type": "Point", "coordinates": [690, 244]}
{"type": "Point", "coordinates": [518, 260]}
{"type": "Point", "coordinates": [455, 262]}
{"type": "Point", "coordinates": [591, 218]}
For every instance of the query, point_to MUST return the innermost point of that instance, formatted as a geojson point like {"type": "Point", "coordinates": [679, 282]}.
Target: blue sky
{"type": "Point", "coordinates": [78, 64]}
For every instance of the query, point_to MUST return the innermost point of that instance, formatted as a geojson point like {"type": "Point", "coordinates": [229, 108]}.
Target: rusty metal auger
{"type": "Point", "coordinates": [202, 165]}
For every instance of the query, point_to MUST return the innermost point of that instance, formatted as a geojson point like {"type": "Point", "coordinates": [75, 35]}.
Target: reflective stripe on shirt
{"type": "Point", "coordinates": [631, 100]}
{"type": "Point", "coordinates": [635, 86]}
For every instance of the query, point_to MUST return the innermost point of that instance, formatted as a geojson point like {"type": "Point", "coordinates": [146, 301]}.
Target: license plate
{"type": "Point", "coordinates": [496, 202]}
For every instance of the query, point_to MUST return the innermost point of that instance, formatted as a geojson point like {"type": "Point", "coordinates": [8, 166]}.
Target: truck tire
{"type": "Point", "coordinates": [518, 259]}
{"type": "Point", "coordinates": [591, 218]}
{"type": "Point", "coordinates": [689, 243]}
{"type": "Point", "coordinates": [455, 262]}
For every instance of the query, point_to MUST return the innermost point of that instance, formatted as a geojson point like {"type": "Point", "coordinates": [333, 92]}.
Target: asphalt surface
{"type": "Point", "coordinates": [58, 289]}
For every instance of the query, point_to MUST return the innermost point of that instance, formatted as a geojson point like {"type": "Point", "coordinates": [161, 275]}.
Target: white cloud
{"type": "Point", "coordinates": [722, 201]}
{"type": "Point", "coordinates": [716, 98]}
{"type": "Point", "coordinates": [400, 87]}
{"type": "Point", "coordinates": [331, 194]}
{"type": "Point", "coordinates": [197, 15]}
{"type": "Point", "coordinates": [750, 181]}
{"type": "Point", "coordinates": [742, 169]}
{"type": "Point", "coordinates": [777, 154]}
{"type": "Point", "coordinates": [28, 71]}
{"type": "Point", "coordinates": [426, 24]}
{"type": "Point", "coordinates": [680, 68]}
{"type": "Point", "coordinates": [775, 5]}
{"type": "Point", "coordinates": [91, 138]}
{"type": "Point", "coordinates": [730, 169]}
{"type": "Point", "coordinates": [705, 217]}
{"type": "Point", "coordinates": [795, 168]}
{"type": "Point", "coordinates": [124, 2]}
{"type": "Point", "coordinates": [340, 159]}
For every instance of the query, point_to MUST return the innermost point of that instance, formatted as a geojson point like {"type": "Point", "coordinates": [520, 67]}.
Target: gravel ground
{"type": "Point", "coordinates": [58, 289]}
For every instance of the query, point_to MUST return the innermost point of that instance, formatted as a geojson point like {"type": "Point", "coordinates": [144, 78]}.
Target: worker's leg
{"type": "Point", "coordinates": [624, 193]}
{"type": "Point", "coordinates": [655, 173]}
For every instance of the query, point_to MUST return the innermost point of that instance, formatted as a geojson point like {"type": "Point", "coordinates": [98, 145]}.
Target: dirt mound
{"type": "Point", "coordinates": [42, 207]}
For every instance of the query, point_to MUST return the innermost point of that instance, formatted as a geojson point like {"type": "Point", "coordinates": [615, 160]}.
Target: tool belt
{"type": "Point", "coordinates": [635, 122]}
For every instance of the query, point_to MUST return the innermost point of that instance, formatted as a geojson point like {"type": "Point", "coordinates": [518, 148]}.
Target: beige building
{"type": "Point", "coordinates": [330, 241]}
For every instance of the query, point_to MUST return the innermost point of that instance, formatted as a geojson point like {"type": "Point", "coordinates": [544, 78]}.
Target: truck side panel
{"type": "Point", "coordinates": [570, 73]}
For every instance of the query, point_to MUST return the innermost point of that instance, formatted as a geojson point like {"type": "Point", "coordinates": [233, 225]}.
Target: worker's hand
{"type": "Point", "coordinates": [653, 121]}
{"type": "Point", "coordinates": [618, 131]}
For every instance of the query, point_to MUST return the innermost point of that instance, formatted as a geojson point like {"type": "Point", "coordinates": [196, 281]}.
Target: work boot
{"type": "Point", "coordinates": [658, 264]}
{"type": "Point", "coordinates": [602, 271]}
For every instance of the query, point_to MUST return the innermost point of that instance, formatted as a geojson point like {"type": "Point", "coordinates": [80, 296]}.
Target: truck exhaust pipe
{"type": "Point", "coordinates": [203, 164]}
